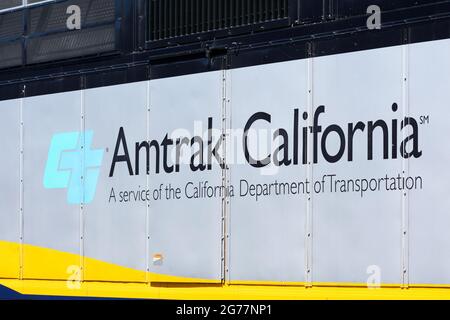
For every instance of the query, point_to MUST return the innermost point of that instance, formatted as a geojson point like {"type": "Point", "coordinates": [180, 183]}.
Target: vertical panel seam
{"type": "Point", "coordinates": [147, 214]}
{"type": "Point", "coordinates": [228, 173]}
{"type": "Point", "coordinates": [224, 165]}
{"type": "Point", "coordinates": [82, 124]}
{"type": "Point", "coordinates": [21, 188]}
{"type": "Point", "coordinates": [405, 169]}
{"type": "Point", "coordinates": [309, 176]}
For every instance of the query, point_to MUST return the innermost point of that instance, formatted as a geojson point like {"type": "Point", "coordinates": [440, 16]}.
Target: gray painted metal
{"type": "Point", "coordinates": [310, 238]}
{"type": "Point", "coordinates": [264, 233]}
{"type": "Point", "coordinates": [10, 145]}
{"type": "Point", "coordinates": [116, 231]}
{"type": "Point", "coordinates": [352, 232]}
{"type": "Point", "coordinates": [429, 94]}
{"type": "Point", "coordinates": [10, 175]}
{"type": "Point", "coordinates": [188, 240]}
{"type": "Point", "coordinates": [49, 221]}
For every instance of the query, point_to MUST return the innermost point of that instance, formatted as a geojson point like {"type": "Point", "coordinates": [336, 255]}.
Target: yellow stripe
{"type": "Point", "coordinates": [52, 266]}
{"type": "Point", "coordinates": [43, 263]}
{"type": "Point", "coordinates": [9, 260]}
{"type": "Point", "coordinates": [213, 292]}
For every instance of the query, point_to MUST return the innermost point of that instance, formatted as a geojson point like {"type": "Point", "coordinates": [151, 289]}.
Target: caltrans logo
{"type": "Point", "coordinates": [72, 164]}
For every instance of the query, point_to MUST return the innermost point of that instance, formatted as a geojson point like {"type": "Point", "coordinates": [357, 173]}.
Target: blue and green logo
{"type": "Point", "coordinates": [72, 164]}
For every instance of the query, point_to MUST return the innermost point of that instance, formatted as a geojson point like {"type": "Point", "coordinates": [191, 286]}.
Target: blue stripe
{"type": "Point", "coordinates": [9, 294]}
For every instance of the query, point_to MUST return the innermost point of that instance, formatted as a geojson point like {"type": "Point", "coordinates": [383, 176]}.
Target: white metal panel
{"type": "Point", "coordinates": [115, 226]}
{"type": "Point", "coordinates": [355, 234]}
{"type": "Point", "coordinates": [185, 234]}
{"type": "Point", "coordinates": [50, 221]}
{"type": "Point", "coordinates": [267, 235]}
{"type": "Point", "coordinates": [429, 95]}
{"type": "Point", "coordinates": [10, 182]}
{"type": "Point", "coordinates": [352, 233]}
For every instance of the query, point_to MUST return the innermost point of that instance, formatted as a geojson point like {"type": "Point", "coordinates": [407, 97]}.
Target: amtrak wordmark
{"type": "Point", "coordinates": [285, 154]}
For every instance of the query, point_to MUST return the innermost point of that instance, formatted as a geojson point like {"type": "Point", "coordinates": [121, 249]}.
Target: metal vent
{"type": "Point", "coordinates": [174, 18]}
{"type": "Point", "coordinates": [11, 54]}
{"type": "Point", "coordinates": [71, 44]}
{"type": "Point", "coordinates": [48, 37]}
{"type": "Point", "coordinates": [11, 25]}
{"type": "Point", "coordinates": [53, 17]}
{"type": "Point", "coordinates": [36, 34]}
{"type": "Point", "coordinates": [37, 1]}
{"type": "Point", "coordinates": [11, 30]}
{"type": "Point", "coordinates": [9, 4]}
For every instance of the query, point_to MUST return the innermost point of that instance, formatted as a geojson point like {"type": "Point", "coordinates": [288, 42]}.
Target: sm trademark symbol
{"type": "Point", "coordinates": [424, 119]}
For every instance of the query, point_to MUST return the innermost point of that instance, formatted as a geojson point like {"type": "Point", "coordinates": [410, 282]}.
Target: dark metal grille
{"type": "Point", "coordinates": [174, 18]}
{"type": "Point", "coordinates": [34, 1]}
{"type": "Point", "coordinates": [11, 25]}
{"type": "Point", "coordinates": [11, 31]}
{"type": "Point", "coordinates": [48, 37]}
{"type": "Point", "coordinates": [11, 4]}
{"type": "Point", "coordinates": [8, 4]}
{"type": "Point", "coordinates": [11, 54]}
{"type": "Point", "coordinates": [71, 44]}
{"type": "Point", "coordinates": [53, 17]}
